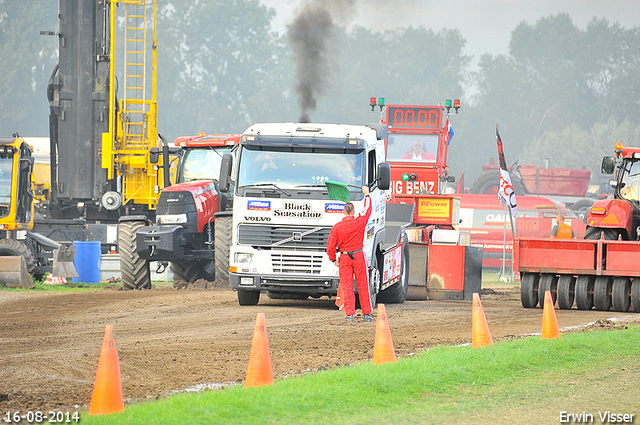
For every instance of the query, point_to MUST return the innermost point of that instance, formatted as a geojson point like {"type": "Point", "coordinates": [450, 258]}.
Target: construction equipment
{"type": "Point", "coordinates": [601, 271]}
{"type": "Point", "coordinates": [27, 252]}
{"type": "Point", "coordinates": [282, 213]}
{"type": "Point", "coordinates": [108, 162]}
{"type": "Point", "coordinates": [186, 233]}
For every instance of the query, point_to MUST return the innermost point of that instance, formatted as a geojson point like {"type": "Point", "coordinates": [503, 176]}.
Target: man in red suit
{"type": "Point", "coordinates": [418, 153]}
{"type": "Point", "coordinates": [347, 236]}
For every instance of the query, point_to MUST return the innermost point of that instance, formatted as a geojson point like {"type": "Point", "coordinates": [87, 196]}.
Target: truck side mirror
{"type": "Point", "coordinates": [154, 155]}
{"type": "Point", "coordinates": [224, 182]}
{"type": "Point", "coordinates": [384, 176]}
{"type": "Point", "coordinates": [608, 165]}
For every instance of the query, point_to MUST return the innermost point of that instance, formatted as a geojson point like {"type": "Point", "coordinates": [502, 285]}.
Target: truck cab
{"type": "Point", "coordinates": [282, 212]}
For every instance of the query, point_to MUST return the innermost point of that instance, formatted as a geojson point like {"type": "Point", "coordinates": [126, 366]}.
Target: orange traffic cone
{"type": "Point", "coordinates": [549, 320]}
{"type": "Point", "coordinates": [107, 389]}
{"type": "Point", "coordinates": [340, 298]}
{"type": "Point", "coordinates": [259, 371]}
{"type": "Point", "coordinates": [383, 351]}
{"type": "Point", "coordinates": [481, 335]}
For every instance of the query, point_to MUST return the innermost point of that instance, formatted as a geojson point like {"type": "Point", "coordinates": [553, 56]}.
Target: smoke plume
{"type": "Point", "coordinates": [314, 52]}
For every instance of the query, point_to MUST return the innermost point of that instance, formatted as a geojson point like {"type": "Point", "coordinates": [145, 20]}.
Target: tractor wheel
{"type": "Point", "coordinates": [14, 248]}
{"type": "Point", "coordinates": [397, 293]}
{"type": "Point", "coordinates": [566, 291]}
{"type": "Point", "coordinates": [548, 282]}
{"type": "Point", "coordinates": [635, 295]}
{"type": "Point", "coordinates": [584, 292]}
{"type": "Point", "coordinates": [223, 245]}
{"type": "Point", "coordinates": [488, 182]}
{"type": "Point", "coordinates": [602, 293]}
{"type": "Point", "coordinates": [186, 272]}
{"type": "Point", "coordinates": [529, 290]}
{"type": "Point", "coordinates": [621, 294]}
{"type": "Point", "coordinates": [134, 270]}
{"type": "Point", "coordinates": [248, 297]}
{"type": "Point", "coordinates": [593, 233]}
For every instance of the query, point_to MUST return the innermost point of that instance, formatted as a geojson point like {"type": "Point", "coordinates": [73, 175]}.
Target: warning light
{"type": "Point", "coordinates": [618, 146]}
{"type": "Point", "coordinates": [373, 103]}
{"type": "Point", "coordinates": [405, 177]}
{"type": "Point", "coordinates": [413, 177]}
{"type": "Point", "coordinates": [456, 105]}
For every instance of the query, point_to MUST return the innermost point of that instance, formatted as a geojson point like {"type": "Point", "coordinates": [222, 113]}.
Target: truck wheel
{"type": "Point", "coordinates": [397, 293]}
{"type": "Point", "coordinates": [602, 293]}
{"type": "Point", "coordinates": [223, 245]}
{"type": "Point", "coordinates": [529, 290]}
{"type": "Point", "coordinates": [635, 295]}
{"type": "Point", "coordinates": [14, 248]}
{"type": "Point", "coordinates": [621, 294]}
{"type": "Point", "coordinates": [566, 291]}
{"type": "Point", "coordinates": [248, 297]}
{"type": "Point", "coordinates": [133, 269]}
{"type": "Point", "coordinates": [548, 282]}
{"type": "Point", "coordinates": [584, 292]}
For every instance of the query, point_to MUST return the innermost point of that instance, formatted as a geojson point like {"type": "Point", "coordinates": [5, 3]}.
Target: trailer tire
{"type": "Point", "coordinates": [397, 293]}
{"type": "Point", "coordinates": [584, 292]}
{"type": "Point", "coordinates": [621, 294]}
{"type": "Point", "coordinates": [548, 282]}
{"type": "Point", "coordinates": [14, 248]}
{"type": "Point", "coordinates": [246, 297]}
{"type": "Point", "coordinates": [593, 233]}
{"type": "Point", "coordinates": [635, 295]}
{"type": "Point", "coordinates": [529, 290]}
{"type": "Point", "coordinates": [602, 293]}
{"type": "Point", "coordinates": [223, 246]}
{"type": "Point", "coordinates": [134, 270]}
{"type": "Point", "coordinates": [566, 291]}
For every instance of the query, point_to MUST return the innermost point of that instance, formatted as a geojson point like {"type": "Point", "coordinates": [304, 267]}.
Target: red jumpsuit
{"type": "Point", "coordinates": [348, 236]}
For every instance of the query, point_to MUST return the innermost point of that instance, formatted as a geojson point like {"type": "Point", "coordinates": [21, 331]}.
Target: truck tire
{"type": "Point", "coordinates": [488, 182]}
{"type": "Point", "coordinates": [134, 270]}
{"type": "Point", "coordinates": [548, 282]}
{"type": "Point", "coordinates": [583, 205]}
{"type": "Point", "coordinates": [223, 245]}
{"type": "Point", "coordinates": [584, 292]}
{"type": "Point", "coordinates": [14, 248]}
{"type": "Point", "coordinates": [566, 291]}
{"type": "Point", "coordinates": [529, 290]}
{"type": "Point", "coordinates": [374, 284]}
{"type": "Point", "coordinates": [621, 294]}
{"type": "Point", "coordinates": [635, 295]}
{"type": "Point", "coordinates": [602, 293]}
{"type": "Point", "coordinates": [248, 297]}
{"type": "Point", "coordinates": [397, 293]}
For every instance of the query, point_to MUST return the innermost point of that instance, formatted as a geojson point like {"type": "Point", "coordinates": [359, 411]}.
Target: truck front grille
{"type": "Point", "coordinates": [288, 263]}
{"type": "Point", "coordinates": [284, 236]}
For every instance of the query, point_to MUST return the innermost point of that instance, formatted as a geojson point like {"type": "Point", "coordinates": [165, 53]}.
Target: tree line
{"type": "Point", "coordinates": [561, 92]}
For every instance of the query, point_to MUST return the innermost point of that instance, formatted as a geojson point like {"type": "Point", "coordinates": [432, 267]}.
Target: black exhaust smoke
{"type": "Point", "coordinates": [311, 38]}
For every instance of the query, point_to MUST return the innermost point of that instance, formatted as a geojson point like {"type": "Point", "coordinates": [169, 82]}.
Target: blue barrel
{"type": "Point", "coordinates": [87, 261]}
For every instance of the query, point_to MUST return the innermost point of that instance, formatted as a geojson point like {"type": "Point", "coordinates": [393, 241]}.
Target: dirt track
{"type": "Point", "coordinates": [171, 340]}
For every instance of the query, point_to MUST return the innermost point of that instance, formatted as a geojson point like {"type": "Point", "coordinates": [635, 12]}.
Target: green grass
{"type": "Point", "coordinates": [505, 383]}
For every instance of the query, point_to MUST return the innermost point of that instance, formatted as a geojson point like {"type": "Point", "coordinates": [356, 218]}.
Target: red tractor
{"type": "Point", "coordinates": [186, 233]}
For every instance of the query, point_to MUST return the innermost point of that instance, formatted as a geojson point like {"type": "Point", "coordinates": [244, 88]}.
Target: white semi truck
{"type": "Point", "coordinates": [282, 212]}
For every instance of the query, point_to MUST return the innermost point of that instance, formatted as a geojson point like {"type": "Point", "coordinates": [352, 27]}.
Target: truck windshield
{"type": "Point", "coordinates": [202, 163]}
{"type": "Point", "coordinates": [6, 172]}
{"type": "Point", "coordinates": [299, 169]}
{"type": "Point", "coordinates": [412, 147]}
{"type": "Point", "coordinates": [630, 189]}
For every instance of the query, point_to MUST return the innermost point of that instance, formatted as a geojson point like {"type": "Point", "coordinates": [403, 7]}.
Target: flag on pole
{"type": "Point", "coordinates": [449, 132]}
{"type": "Point", "coordinates": [506, 194]}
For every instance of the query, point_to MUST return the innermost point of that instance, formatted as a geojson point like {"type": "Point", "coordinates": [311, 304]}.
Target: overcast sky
{"type": "Point", "coordinates": [486, 25]}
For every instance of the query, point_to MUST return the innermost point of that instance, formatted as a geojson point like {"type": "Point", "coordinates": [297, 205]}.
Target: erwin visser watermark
{"type": "Point", "coordinates": [604, 418]}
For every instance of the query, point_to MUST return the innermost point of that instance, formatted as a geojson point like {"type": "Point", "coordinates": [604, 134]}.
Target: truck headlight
{"type": "Point", "coordinates": [243, 258]}
{"type": "Point", "coordinates": [172, 218]}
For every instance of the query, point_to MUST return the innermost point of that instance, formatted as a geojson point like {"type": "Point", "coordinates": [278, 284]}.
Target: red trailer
{"type": "Point", "coordinates": [602, 270]}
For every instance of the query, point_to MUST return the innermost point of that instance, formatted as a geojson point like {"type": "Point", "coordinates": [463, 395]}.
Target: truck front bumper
{"type": "Point", "coordinates": [283, 283]}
